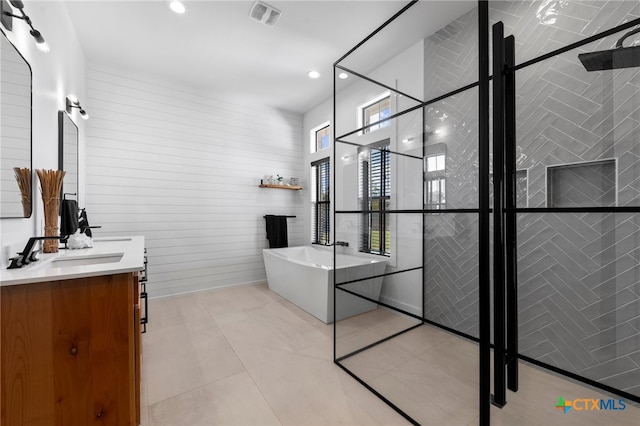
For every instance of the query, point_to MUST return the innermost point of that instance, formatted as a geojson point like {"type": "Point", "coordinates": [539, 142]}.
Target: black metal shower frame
{"type": "Point", "coordinates": [483, 211]}
{"type": "Point", "coordinates": [504, 59]}
{"type": "Point", "coordinates": [506, 348]}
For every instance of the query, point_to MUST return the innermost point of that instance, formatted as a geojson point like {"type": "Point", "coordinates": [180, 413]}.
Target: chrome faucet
{"type": "Point", "coordinates": [28, 254]}
{"type": "Point", "coordinates": [341, 243]}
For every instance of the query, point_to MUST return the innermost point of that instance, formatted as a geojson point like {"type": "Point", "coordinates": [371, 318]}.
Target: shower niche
{"type": "Point", "coordinates": [582, 184]}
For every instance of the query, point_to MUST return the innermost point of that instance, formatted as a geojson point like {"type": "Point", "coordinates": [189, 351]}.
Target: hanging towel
{"type": "Point", "coordinates": [277, 231]}
{"type": "Point", "coordinates": [68, 217]}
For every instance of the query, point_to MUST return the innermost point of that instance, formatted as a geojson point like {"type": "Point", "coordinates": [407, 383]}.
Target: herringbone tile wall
{"type": "Point", "coordinates": [578, 274]}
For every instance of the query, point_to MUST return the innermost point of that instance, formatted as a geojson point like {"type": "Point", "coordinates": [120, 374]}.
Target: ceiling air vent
{"type": "Point", "coordinates": [265, 14]}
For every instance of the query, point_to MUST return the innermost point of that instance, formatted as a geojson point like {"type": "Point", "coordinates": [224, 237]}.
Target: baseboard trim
{"type": "Point", "coordinates": [200, 290]}
{"type": "Point", "coordinates": [401, 305]}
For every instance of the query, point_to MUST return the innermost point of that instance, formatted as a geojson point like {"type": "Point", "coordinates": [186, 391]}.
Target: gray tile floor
{"type": "Point", "coordinates": [246, 356]}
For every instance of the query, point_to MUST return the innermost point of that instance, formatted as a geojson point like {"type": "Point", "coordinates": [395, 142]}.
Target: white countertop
{"type": "Point", "coordinates": [46, 268]}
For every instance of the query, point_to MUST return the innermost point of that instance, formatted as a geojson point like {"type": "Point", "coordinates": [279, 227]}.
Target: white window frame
{"type": "Point", "coordinates": [312, 137]}
{"type": "Point", "coordinates": [390, 225]}
{"type": "Point", "coordinates": [361, 108]}
{"type": "Point", "coordinates": [315, 210]}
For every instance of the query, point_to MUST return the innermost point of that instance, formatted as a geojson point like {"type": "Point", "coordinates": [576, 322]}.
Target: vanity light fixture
{"type": "Point", "coordinates": [7, 16]}
{"type": "Point", "coordinates": [177, 6]}
{"type": "Point", "coordinates": [314, 74]}
{"type": "Point", "coordinates": [73, 102]}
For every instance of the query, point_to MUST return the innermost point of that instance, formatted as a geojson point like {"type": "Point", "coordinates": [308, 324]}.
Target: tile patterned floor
{"type": "Point", "coordinates": [246, 356]}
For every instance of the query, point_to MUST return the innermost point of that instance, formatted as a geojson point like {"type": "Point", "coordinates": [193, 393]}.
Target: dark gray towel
{"type": "Point", "coordinates": [277, 231]}
{"type": "Point", "coordinates": [68, 217]}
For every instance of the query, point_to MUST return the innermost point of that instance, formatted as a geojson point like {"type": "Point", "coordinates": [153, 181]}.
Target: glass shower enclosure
{"type": "Point", "coordinates": [477, 314]}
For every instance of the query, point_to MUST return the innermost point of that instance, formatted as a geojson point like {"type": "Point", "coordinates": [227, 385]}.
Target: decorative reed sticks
{"type": "Point", "coordinates": [50, 188]}
{"type": "Point", "coordinates": [23, 177]}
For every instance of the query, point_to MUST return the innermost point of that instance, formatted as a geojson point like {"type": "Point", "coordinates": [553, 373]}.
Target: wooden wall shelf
{"type": "Point", "coordinates": [264, 185]}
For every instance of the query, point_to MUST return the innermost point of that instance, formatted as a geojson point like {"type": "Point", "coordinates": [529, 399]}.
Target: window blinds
{"type": "Point", "coordinates": [321, 202]}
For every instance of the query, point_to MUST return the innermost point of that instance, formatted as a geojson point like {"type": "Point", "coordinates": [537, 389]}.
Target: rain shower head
{"type": "Point", "coordinates": [620, 57]}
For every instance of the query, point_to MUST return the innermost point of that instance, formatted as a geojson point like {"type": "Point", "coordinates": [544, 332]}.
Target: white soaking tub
{"type": "Point", "coordinates": [304, 276]}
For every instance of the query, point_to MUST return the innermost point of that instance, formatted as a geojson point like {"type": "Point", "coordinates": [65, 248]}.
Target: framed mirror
{"type": "Point", "coordinates": [15, 133]}
{"type": "Point", "coordinates": [68, 154]}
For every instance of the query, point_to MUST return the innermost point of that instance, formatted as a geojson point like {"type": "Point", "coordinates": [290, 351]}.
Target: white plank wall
{"type": "Point", "coordinates": [182, 169]}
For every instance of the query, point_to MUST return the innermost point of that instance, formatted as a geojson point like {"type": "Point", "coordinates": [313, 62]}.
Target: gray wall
{"type": "Point", "coordinates": [579, 277]}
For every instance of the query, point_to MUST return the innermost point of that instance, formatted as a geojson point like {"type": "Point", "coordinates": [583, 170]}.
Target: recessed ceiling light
{"type": "Point", "coordinates": [313, 74]}
{"type": "Point", "coordinates": [343, 75]}
{"type": "Point", "coordinates": [177, 6]}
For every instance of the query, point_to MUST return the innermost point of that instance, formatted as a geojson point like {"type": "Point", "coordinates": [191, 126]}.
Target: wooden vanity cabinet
{"type": "Point", "coordinates": [70, 352]}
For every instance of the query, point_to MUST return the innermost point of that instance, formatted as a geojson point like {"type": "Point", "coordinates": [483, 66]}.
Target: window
{"type": "Point", "coordinates": [374, 162]}
{"type": "Point", "coordinates": [522, 195]}
{"type": "Point", "coordinates": [323, 138]}
{"type": "Point", "coordinates": [320, 137]}
{"type": "Point", "coordinates": [320, 202]}
{"type": "Point", "coordinates": [376, 111]}
{"type": "Point", "coordinates": [435, 163]}
{"type": "Point", "coordinates": [436, 182]}
{"type": "Point", "coordinates": [436, 194]}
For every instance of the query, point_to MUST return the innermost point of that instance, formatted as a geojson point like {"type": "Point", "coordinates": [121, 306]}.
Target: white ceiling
{"type": "Point", "coordinates": [217, 47]}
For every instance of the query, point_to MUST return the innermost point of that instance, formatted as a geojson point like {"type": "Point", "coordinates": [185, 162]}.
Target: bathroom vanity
{"type": "Point", "coordinates": [70, 337]}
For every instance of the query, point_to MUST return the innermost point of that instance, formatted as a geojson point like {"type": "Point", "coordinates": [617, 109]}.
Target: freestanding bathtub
{"type": "Point", "coordinates": [304, 276]}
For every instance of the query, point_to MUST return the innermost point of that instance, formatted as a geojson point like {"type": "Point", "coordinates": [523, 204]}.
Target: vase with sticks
{"type": "Point", "coordinates": [23, 177]}
{"type": "Point", "coordinates": [50, 188]}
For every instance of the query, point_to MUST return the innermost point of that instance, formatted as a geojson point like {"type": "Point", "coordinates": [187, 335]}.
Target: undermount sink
{"type": "Point", "coordinates": [96, 259]}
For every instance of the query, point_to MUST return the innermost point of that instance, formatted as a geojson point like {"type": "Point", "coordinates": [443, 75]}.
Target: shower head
{"type": "Point", "coordinates": [620, 57]}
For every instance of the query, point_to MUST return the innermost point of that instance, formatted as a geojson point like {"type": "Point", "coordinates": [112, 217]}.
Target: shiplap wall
{"type": "Point", "coordinates": [182, 168]}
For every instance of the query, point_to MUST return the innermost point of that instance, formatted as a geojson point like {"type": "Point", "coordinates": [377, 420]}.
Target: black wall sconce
{"type": "Point", "coordinates": [7, 15]}
{"type": "Point", "coordinates": [73, 102]}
